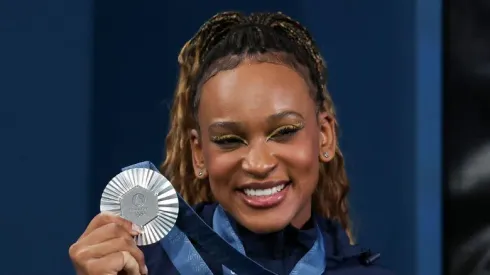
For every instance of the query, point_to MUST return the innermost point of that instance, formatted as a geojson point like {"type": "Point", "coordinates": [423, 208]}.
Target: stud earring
{"type": "Point", "coordinates": [326, 155]}
{"type": "Point", "coordinates": [200, 173]}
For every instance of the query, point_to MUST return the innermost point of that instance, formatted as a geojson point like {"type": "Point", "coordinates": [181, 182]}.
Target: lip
{"type": "Point", "coordinates": [264, 202]}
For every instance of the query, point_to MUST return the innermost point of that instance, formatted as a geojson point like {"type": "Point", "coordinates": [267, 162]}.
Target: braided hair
{"type": "Point", "coordinates": [222, 43]}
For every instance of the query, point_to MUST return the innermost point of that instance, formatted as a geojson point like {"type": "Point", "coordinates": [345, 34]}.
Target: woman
{"type": "Point", "coordinates": [253, 134]}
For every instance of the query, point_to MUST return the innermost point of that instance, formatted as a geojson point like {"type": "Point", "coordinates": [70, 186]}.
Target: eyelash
{"type": "Point", "coordinates": [227, 140]}
{"type": "Point", "coordinates": [286, 131]}
{"type": "Point", "coordinates": [281, 134]}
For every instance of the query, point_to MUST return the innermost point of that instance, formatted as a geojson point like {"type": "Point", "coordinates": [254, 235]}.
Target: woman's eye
{"type": "Point", "coordinates": [228, 141]}
{"type": "Point", "coordinates": [285, 132]}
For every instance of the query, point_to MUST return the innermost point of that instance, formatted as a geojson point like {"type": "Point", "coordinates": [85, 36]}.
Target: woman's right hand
{"type": "Point", "coordinates": [107, 247]}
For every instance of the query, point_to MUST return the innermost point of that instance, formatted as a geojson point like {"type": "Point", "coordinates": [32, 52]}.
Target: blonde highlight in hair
{"type": "Point", "coordinates": [233, 34]}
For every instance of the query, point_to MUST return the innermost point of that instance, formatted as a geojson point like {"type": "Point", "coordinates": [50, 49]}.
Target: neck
{"type": "Point", "coordinates": [302, 216]}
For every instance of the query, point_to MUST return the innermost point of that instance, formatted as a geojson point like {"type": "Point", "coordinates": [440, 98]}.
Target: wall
{"type": "Point", "coordinates": [86, 89]}
{"type": "Point", "coordinates": [45, 103]}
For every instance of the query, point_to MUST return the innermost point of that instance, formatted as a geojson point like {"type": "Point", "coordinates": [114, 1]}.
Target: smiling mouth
{"type": "Point", "coordinates": [264, 192]}
{"type": "Point", "coordinates": [265, 197]}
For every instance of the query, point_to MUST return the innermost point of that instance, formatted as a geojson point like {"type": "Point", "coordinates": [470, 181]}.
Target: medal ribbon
{"type": "Point", "coordinates": [221, 243]}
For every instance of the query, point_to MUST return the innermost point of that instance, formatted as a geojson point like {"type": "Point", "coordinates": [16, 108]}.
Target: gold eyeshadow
{"type": "Point", "coordinates": [282, 131]}
{"type": "Point", "coordinates": [225, 137]}
{"type": "Point", "coordinates": [291, 128]}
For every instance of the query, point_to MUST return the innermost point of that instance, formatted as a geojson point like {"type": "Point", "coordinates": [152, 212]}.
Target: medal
{"type": "Point", "coordinates": [124, 197]}
{"type": "Point", "coordinates": [145, 198]}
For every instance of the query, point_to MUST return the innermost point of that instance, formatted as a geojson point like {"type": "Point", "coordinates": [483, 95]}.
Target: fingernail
{"type": "Point", "coordinates": [145, 270]}
{"type": "Point", "coordinates": [136, 228]}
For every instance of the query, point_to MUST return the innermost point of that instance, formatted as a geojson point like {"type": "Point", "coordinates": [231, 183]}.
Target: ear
{"type": "Point", "coordinates": [328, 137]}
{"type": "Point", "coordinates": [197, 155]}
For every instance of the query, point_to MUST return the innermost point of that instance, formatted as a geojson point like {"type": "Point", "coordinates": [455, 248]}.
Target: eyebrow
{"type": "Point", "coordinates": [238, 126]}
{"type": "Point", "coordinates": [230, 125]}
{"type": "Point", "coordinates": [281, 115]}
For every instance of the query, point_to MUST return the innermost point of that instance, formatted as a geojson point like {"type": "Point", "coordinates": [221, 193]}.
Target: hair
{"type": "Point", "coordinates": [222, 43]}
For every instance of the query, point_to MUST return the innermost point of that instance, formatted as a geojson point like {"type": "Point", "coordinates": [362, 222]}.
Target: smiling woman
{"type": "Point", "coordinates": [259, 132]}
{"type": "Point", "coordinates": [253, 146]}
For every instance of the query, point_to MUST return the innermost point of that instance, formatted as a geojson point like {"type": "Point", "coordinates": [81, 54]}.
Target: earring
{"type": "Point", "coordinates": [200, 173]}
{"type": "Point", "coordinates": [326, 155]}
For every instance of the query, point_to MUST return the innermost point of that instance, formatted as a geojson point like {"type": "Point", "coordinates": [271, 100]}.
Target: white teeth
{"type": "Point", "coordinates": [264, 192]}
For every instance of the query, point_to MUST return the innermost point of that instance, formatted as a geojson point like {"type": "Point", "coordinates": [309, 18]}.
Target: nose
{"type": "Point", "coordinates": [259, 161]}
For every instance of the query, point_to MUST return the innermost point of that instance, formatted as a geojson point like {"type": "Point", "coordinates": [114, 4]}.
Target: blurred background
{"type": "Point", "coordinates": [85, 89]}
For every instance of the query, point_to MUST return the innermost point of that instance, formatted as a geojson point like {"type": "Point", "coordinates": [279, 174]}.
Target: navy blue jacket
{"type": "Point", "coordinates": [280, 251]}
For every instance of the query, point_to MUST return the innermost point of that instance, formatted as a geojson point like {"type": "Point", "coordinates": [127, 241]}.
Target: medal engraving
{"type": "Point", "coordinates": [145, 198]}
{"type": "Point", "coordinates": [139, 206]}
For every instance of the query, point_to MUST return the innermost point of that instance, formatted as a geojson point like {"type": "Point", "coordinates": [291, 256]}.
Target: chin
{"type": "Point", "coordinates": [260, 216]}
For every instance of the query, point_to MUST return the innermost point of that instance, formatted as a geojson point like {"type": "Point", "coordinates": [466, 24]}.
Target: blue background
{"type": "Point", "coordinates": [85, 89]}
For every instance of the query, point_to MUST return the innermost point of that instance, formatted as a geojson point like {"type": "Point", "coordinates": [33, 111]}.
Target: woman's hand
{"type": "Point", "coordinates": [107, 247]}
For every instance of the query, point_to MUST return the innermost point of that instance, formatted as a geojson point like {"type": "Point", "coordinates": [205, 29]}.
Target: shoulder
{"type": "Point", "coordinates": [346, 259]}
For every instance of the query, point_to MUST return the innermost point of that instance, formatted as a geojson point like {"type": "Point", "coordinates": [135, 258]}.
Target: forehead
{"type": "Point", "coordinates": [254, 90]}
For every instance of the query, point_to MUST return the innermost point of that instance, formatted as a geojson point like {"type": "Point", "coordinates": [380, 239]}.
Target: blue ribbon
{"type": "Point", "coordinates": [222, 245]}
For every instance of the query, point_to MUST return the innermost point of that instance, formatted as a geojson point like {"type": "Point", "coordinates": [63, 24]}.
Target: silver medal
{"type": "Point", "coordinates": [145, 198]}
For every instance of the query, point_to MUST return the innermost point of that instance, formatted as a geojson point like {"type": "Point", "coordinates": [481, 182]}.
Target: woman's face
{"type": "Point", "coordinates": [260, 144]}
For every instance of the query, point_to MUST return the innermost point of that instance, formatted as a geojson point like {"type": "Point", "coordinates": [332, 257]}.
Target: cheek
{"type": "Point", "coordinates": [302, 160]}
{"type": "Point", "coordinates": [221, 166]}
